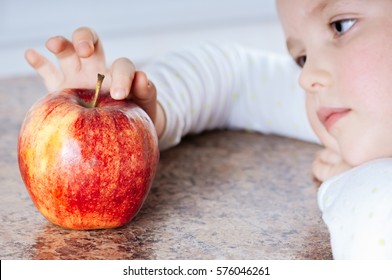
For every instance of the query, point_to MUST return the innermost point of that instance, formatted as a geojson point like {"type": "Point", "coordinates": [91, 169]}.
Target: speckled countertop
{"type": "Point", "coordinates": [219, 195]}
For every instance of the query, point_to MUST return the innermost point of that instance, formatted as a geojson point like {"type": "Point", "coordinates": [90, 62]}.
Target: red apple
{"type": "Point", "coordinates": [87, 164]}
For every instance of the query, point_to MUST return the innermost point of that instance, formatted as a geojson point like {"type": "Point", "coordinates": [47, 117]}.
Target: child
{"type": "Point", "coordinates": [243, 83]}
{"type": "Point", "coordinates": [343, 50]}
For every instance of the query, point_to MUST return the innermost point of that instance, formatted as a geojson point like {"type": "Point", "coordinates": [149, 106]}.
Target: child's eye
{"type": "Point", "coordinates": [301, 60]}
{"type": "Point", "coordinates": [342, 26]}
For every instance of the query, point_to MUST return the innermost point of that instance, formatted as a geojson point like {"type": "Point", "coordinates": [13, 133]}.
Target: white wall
{"type": "Point", "coordinates": [139, 29]}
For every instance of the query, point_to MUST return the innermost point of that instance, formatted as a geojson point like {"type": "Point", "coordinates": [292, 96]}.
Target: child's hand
{"type": "Point", "coordinates": [79, 61]}
{"type": "Point", "coordinates": [82, 59]}
{"type": "Point", "coordinates": [328, 163]}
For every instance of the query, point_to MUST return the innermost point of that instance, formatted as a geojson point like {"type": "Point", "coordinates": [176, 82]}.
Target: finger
{"type": "Point", "coordinates": [65, 53]}
{"type": "Point", "coordinates": [144, 94]}
{"type": "Point", "coordinates": [123, 72]}
{"type": "Point", "coordinates": [88, 46]}
{"type": "Point", "coordinates": [320, 170]}
{"type": "Point", "coordinates": [45, 68]}
{"type": "Point", "coordinates": [329, 156]}
{"type": "Point", "coordinates": [324, 170]}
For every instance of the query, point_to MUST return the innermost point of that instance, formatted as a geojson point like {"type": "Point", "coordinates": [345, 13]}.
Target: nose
{"type": "Point", "coordinates": [315, 76]}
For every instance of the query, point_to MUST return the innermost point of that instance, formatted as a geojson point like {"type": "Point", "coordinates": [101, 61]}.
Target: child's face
{"type": "Point", "coordinates": [345, 49]}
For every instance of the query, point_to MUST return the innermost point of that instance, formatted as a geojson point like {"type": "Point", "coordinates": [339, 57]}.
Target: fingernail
{"type": "Point", "coordinates": [83, 48]}
{"type": "Point", "coordinates": [118, 93]}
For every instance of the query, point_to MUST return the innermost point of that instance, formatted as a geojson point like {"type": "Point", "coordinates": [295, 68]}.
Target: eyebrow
{"type": "Point", "coordinates": [321, 5]}
{"type": "Point", "coordinates": [331, 4]}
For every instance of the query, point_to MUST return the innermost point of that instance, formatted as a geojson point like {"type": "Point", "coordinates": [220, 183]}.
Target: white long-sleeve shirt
{"type": "Point", "coordinates": [357, 208]}
{"type": "Point", "coordinates": [228, 86]}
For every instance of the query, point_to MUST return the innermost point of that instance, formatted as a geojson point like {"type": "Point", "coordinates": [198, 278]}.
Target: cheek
{"type": "Point", "coordinates": [365, 79]}
{"type": "Point", "coordinates": [354, 79]}
{"type": "Point", "coordinates": [365, 86]}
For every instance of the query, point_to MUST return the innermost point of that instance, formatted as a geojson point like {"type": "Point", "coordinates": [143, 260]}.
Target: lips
{"type": "Point", "coordinates": [329, 116]}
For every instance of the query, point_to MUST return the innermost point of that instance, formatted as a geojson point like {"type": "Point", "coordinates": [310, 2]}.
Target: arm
{"type": "Point", "coordinates": [228, 86]}
{"type": "Point", "coordinates": [205, 87]}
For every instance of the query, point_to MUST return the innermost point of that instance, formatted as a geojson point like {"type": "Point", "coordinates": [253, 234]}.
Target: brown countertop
{"type": "Point", "coordinates": [219, 195]}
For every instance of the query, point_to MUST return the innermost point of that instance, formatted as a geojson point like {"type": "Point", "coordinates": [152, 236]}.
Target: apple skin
{"type": "Point", "coordinates": [87, 168]}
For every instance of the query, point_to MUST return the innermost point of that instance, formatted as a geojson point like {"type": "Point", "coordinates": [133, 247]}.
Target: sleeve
{"type": "Point", "coordinates": [214, 86]}
{"type": "Point", "coordinates": [357, 209]}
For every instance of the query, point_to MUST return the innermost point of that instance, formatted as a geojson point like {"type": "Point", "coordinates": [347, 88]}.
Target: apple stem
{"type": "Point", "coordinates": [97, 89]}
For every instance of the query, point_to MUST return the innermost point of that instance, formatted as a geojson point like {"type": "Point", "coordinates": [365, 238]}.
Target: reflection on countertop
{"type": "Point", "coordinates": [218, 195]}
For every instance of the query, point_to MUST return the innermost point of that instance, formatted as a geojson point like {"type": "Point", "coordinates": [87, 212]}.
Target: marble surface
{"type": "Point", "coordinates": [219, 195]}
